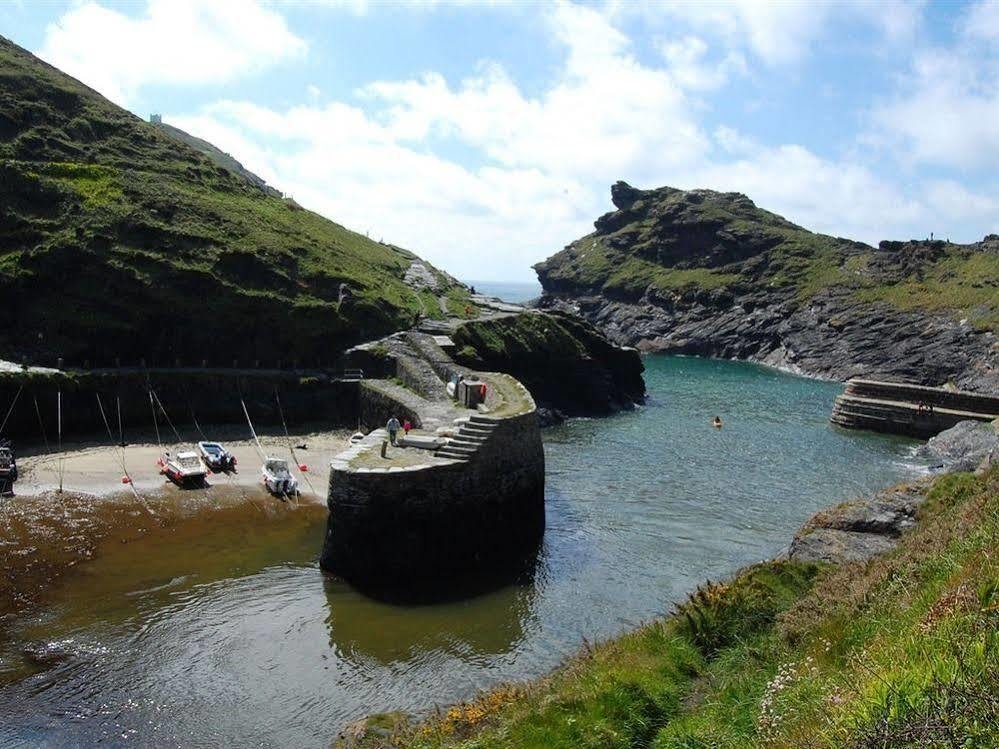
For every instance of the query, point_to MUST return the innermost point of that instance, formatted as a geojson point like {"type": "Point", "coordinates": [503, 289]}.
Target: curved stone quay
{"type": "Point", "coordinates": [458, 501]}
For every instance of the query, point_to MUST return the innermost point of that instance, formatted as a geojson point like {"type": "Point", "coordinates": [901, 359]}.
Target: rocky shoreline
{"type": "Point", "coordinates": [862, 528]}
{"type": "Point", "coordinates": [832, 337]}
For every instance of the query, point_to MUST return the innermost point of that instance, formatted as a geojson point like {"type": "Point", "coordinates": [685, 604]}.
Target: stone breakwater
{"type": "Point", "coordinates": [470, 507]}
{"type": "Point", "coordinates": [910, 410]}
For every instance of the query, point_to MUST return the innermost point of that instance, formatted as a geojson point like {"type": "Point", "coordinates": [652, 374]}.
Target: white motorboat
{"type": "Point", "coordinates": [278, 478]}
{"type": "Point", "coordinates": [185, 468]}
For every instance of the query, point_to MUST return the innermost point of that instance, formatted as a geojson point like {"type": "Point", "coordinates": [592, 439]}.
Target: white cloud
{"type": "Point", "coordinates": [947, 108]}
{"type": "Point", "coordinates": [174, 41]}
{"type": "Point", "coordinates": [534, 169]}
{"type": "Point", "coordinates": [690, 69]}
{"type": "Point", "coordinates": [982, 20]}
{"type": "Point", "coordinates": [829, 196]}
{"type": "Point", "coordinates": [605, 116]}
{"type": "Point", "coordinates": [778, 33]}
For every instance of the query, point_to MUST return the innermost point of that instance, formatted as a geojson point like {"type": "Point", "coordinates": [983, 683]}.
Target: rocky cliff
{"type": "Point", "coordinates": [569, 367]}
{"type": "Point", "coordinates": [708, 273]}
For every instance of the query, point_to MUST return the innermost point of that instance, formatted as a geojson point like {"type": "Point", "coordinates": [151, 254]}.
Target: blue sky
{"type": "Point", "coordinates": [485, 136]}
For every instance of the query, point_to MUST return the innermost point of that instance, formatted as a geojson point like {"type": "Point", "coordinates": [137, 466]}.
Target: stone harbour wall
{"type": "Point", "coordinates": [444, 522]}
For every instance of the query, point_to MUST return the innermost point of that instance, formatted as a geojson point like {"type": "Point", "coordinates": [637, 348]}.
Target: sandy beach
{"type": "Point", "coordinates": [92, 468]}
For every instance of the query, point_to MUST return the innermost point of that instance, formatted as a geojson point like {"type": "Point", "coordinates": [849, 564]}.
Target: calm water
{"type": "Point", "coordinates": [509, 291]}
{"type": "Point", "coordinates": [230, 635]}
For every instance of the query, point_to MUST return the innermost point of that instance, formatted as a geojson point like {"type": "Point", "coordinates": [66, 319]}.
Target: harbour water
{"type": "Point", "coordinates": [220, 630]}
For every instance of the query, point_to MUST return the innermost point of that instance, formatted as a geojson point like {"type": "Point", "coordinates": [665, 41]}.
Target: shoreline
{"type": "Point", "coordinates": [903, 500]}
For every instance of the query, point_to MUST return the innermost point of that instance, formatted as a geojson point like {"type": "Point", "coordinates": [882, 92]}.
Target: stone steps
{"type": "Point", "coordinates": [906, 393]}
{"type": "Point", "coordinates": [897, 416]}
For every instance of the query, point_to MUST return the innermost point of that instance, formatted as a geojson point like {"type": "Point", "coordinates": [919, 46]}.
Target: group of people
{"type": "Point", "coordinates": [393, 426]}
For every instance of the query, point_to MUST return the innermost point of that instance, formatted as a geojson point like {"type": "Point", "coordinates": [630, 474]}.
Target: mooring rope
{"type": "Point", "coordinates": [167, 417]}
{"type": "Point", "coordinates": [45, 438]}
{"type": "Point", "coordinates": [11, 409]}
{"type": "Point", "coordinates": [156, 426]}
{"type": "Point", "coordinates": [59, 431]}
{"type": "Point", "coordinates": [291, 449]}
{"type": "Point", "coordinates": [121, 458]}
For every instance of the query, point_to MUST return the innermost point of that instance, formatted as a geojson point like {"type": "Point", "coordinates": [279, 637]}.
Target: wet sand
{"type": "Point", "coordinates": [46, 536]}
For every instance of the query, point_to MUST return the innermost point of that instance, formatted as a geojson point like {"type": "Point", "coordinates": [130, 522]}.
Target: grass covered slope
{"type": "Point", "coordinates": [117, 239]}
{"type": "Point", "coordinates": [676, 244]}
{"type": "Point", "coordinates": [902, 651]}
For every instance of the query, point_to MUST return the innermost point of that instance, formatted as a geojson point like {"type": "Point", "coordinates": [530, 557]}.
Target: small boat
{"type": "Point", "coordinates": [184, 469]}
{"type": "Point", "coordinates": [278, 478]}
{"type": "Point", "coordinates": [8, 466]}
{"type": "Point", "coordinates": [355, 438]}
{"type": "Point", "coordinates": [216, 457]}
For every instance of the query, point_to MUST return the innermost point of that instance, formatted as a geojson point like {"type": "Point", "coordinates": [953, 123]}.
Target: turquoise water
{"type": "Point", "coordinates": [204, 649]}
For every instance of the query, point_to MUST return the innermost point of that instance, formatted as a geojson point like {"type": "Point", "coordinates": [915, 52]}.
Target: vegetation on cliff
{"type": "Point", "coordinates": [118, 239]}
{"type": "Point", "coordinates": [674, 243]}
{"type": "Point", "coordinates": [896, 652]}
{"type": "Point", "coordinates": [562, 359]}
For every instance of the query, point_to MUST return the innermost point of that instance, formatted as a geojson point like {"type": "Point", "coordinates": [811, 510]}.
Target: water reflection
{"type": "Point", "coordinates": [363, 629]}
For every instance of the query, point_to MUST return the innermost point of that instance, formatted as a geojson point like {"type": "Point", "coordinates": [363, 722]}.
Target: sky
{"type": "Point", "coordinates": [485, 136]}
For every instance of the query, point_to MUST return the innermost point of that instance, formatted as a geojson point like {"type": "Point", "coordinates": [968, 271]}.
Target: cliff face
{"type": "Point", "coordinates": [709, 273]}
{"type": "Point", "coordinates": [119, 238]}
{"type": "Point", "coordinates": [569, 367]}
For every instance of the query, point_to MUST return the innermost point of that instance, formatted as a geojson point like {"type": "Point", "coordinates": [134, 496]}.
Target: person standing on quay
{"type": "Point", "coordinates": [393, 429]}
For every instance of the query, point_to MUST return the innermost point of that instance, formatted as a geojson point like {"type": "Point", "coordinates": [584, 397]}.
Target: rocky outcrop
{"type": "Point", "coordinates": [570, 368]}
{"type": "Point", "coordinates": [859, 529]}
{"type": "Point", "coordinates": [863, 528]}
{"type": "Point", "coordinates": [710, 274]}
{"type": "Point", "coordinates": [961, 448]}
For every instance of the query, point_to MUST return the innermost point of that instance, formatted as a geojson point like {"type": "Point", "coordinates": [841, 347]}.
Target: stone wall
{"type": "Point", "coordinates": [379, 401]}
{"type": "Point", "coordinates": [445, 523]}
{"type": "Point", "coordinates": [213, 396]}
{"type": "Point", "coordinates": [904, 408]}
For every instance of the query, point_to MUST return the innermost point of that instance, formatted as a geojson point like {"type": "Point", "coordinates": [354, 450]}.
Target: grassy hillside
{"type": "Point", "coordinates": [119, 240]}
{"type": "Point", "coordinates": [902, 651]}
{"type": "Point", "coordinates": [676, 243]}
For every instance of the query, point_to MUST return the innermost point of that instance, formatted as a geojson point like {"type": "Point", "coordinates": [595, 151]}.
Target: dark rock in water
{"type": "Point", "coordinates": [859, 529]}
{"type": "Point", "coordinates": [711, 274]}
{"type": "Point", "coordinates": [550, 417]}
{"type": "Point", "coordinates": [962, 447]}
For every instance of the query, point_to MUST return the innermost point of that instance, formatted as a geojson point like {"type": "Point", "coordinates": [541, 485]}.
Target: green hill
{"type": "Point", "coordinates": [670, 241]}
{"type": "Point", "coordinates": [120, 240]}
{"type": "Point", "coordinates": [710, 273]}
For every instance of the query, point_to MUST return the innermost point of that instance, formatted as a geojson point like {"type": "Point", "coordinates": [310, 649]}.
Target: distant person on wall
{"type": "Point", "coordinates": [393, 429]}
{"type": "Point", "coordinates": [406, 426]}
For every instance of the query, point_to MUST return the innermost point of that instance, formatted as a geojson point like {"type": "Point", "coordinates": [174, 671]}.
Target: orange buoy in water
{"type": "Point", "coordinates": [303, 468]}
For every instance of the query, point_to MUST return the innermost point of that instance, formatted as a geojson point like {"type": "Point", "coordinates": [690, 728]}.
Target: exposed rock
{"type": "Point", "coordinates": [569, 367]}
{"type": "Point", "coordinates": [832, 545]}
{"type": "Point", "coordinates": [961, 448]}
{"type": "Point", "coordinates": [859, 529]}
{"type": "Point", "coordinates": [711, 274]}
